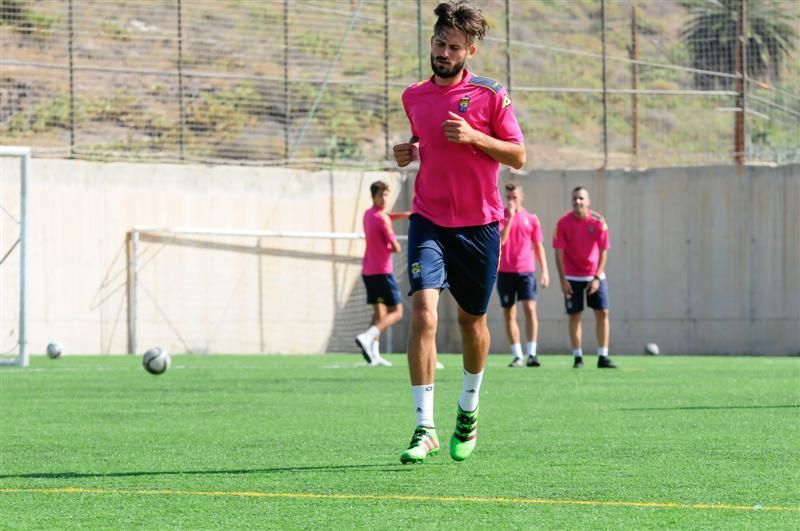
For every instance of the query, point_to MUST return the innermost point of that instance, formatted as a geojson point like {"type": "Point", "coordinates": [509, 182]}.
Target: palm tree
{"type": "Point", "coordinates": [711, 38]}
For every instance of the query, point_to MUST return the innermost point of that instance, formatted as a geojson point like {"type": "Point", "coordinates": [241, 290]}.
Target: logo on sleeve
{"type": "Point", "coordinates": [463, 104]}
{"type": "Point", "coordinates": [506, 101]}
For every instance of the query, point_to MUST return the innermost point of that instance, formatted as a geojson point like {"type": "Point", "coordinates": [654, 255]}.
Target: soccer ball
{"type": "Point", "coordinates": [54, 350]}
{"type": "Point", "coordinates": [156, 361]}
{"type": "Point", "coordinates": [651, 349]}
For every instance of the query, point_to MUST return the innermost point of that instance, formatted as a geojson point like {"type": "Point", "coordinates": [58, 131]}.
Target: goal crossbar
{"type": "Point", "coordinates": [191, 231]}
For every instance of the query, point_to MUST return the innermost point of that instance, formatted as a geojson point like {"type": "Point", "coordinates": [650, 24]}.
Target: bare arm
{"type": "Point", "coordinates": [399, 215]}
{"type": "Point", "coordinates": [601, 268]}
{"type": "Point", "coordinates": [390, 234]}
{"type": "Point", "coordinates": [504, 152]}
{"type": "Point", "coordinates": [565, 285]}
{"type": "Point", "coordinates": [458, 130]}
{"type": "Point", "coordinates": [507, 227]}
{"type": "Point", "coordinates": [601, 264]}
{"type": "Point", "coordinates": [538, 250]}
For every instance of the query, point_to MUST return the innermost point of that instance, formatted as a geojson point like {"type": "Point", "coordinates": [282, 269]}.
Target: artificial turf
{"type": "Point", "coordinates": [314, 441]}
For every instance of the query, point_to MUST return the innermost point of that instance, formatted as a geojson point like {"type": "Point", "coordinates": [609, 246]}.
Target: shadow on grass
{"type": "Point", "coordinates": [681, 408]}
{"type": "Point", "coordinates": [386, 467]}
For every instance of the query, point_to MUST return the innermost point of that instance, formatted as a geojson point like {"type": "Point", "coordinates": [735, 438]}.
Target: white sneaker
{"type": "Point", "coordinates": [517, 362]}
{"type": "Point", "coordinates": [364, 343]}
{"type": "Point", "coordinates": [381, 361]}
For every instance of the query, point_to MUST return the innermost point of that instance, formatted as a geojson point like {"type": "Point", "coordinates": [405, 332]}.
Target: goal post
{"type": "Point", "coordinates": [14, 240]}
{"type": "Point", "coordinates": [311, 276]}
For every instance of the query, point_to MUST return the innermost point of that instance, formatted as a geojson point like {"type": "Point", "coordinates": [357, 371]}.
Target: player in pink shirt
{"type": "Point", "coordinates": [521, 238]}
{"type": "Point", "coordinates": [581, 242]}
{"type": "Point", "coordinates": [383, 292]}
{"type": "Point", "coordinates": [463, 127]}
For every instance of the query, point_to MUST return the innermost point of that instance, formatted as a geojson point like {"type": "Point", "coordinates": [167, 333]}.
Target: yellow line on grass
{"type": "Point", "coordinates": [303, 495]}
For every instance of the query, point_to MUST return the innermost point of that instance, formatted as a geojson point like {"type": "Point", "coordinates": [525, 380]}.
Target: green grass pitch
{"type": "Point", "coordinates": [233, 442]}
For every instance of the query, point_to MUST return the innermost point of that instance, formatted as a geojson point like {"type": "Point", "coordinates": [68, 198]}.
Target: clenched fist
{"type": "Point", "coordinates": [405, 153]}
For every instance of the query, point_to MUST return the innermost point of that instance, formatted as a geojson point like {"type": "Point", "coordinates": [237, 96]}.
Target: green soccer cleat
{"type": "Point", "coordinates": [423, 443]}
{"type": "Point", "coordinates": [465, 435]}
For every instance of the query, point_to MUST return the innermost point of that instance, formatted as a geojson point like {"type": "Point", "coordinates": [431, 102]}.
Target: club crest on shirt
{"type": "Point", "coordinates": [591, 229]}
{"type": "Point", "coordinates": [463, 104]}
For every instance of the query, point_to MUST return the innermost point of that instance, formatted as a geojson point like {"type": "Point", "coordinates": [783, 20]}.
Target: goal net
{"type": "Point", "coordinates": [14, 169]}
{"type": "Point", "coordinates": [219, 291]}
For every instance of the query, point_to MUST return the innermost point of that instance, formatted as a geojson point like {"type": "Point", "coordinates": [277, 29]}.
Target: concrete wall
{"type": "Point", "coordinates": [703, 260]}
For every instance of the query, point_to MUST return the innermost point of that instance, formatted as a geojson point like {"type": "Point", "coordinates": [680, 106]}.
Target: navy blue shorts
{"type": "Point", "coordinates": [382, 289]}
{"type": "Point", "coordinates": [580, 289]}
{"type": "Point", "coordinates": [464, 259]}
{"type": "Point", "coordinates": [515, 286]}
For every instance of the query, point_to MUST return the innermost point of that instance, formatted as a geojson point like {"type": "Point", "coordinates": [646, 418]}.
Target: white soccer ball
{"type": "Point", "coordinates": [651, 349]}
{"type": "Point", "coordinates": [54, 350]}
{"type": "Point", "coordinates": [156, 361]}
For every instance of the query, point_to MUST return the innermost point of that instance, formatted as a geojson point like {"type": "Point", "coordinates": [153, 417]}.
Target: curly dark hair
{"type": "Point", "coordinates": [461, 16]}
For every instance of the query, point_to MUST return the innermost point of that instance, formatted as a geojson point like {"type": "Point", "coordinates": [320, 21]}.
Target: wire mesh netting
{"type": "Point", "coordinates": [306, 83]}
{"type": "Point", "coordinates": [231, 304]}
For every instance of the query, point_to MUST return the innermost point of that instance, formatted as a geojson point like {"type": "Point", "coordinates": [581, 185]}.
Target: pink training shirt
{"type": "Point", "coordinates": [380, 235]}
{"type": "Point", "coordinates": [456, 185]}
{"type": "Point", "coordinates": [582, 240]}
{"type": "Point", "coordinates": [516, 255]}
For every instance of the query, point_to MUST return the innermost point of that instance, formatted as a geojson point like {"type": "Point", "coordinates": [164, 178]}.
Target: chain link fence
{"type": "Point", "coordinates": [612, 83]}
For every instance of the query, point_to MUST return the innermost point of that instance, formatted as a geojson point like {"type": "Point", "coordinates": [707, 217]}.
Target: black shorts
{"type": "Point", "coordinates": [580, 289]}
{"type": "Point", "coordinates": [515, 286]}
{"type": "Point", "coordinates": [382, 289]}
{"type": "Point", "coordinates": [463, 259]}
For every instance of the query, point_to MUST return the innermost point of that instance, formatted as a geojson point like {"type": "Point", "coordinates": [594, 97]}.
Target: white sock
{"type": "Point", "coordinates": [376, 348]}
{"type": "Point", "coordinates": [423, 402]}
{"type": "Point", "coordinates": [516, 350]}
{"type": "Point", "coordinates": [471, 391]}
{"type": "Point", "coordinates": [530, 346]}
{"type": "Point", "coordinates": [578, 352]}
{"type": "Point", "coordinates": [602, 351]}
{"type": "Point", "coordinates": [372, 333]}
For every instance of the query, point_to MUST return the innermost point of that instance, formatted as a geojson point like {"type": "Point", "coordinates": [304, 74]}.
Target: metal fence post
{"type": "Point", "coordinates": [605, 83]}
{"type": "Point", "coordinates": [180, 83]}
{"type": "Point", "coordinates": [741, 85]}
{"type": "Point", "coordinates": [634, 86]}
{"type": "Point", "coordinates": [287, 110]}
{"type": "Point", "coordinates": [419, 39]}
{"type": "Point", "coordinates": [508, 44]}
{"type": "Point", "coordinates": [386, 78]}
{"type": "Point", "coordinates": [71, 81]}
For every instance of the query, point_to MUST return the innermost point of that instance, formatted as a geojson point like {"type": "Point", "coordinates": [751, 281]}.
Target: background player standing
{"type": "Point", "coordinates": [521, 238]}
{"type": "Point", "coordinates": [581, 242]}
